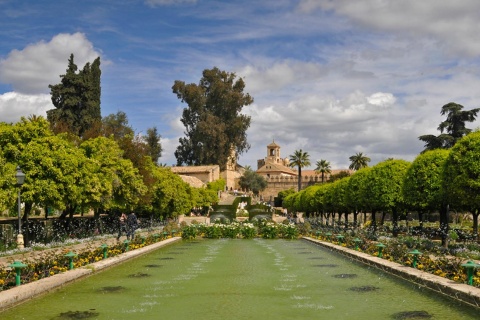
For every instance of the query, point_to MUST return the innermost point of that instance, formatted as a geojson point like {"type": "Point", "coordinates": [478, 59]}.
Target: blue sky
{"type": "Point", "coordinates": [330, 77]}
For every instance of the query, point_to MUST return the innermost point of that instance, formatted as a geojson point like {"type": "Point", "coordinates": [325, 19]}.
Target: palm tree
{"type": "Point", "coordinates": [299, 159]}
{"type": "Point", "coordinates": [323, 166]}
{"type": "Point", "coordinates": [358, 161]}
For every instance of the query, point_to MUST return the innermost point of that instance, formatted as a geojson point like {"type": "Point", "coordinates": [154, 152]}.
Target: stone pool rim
{"type": "Point", "coordinates": [461, 292]}
{"type": "Point", "coordinates": [14, 296]}
{"type": "Point", "coordinates": [458, 291]}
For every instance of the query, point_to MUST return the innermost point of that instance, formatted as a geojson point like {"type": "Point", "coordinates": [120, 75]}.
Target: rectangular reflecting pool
{"type": "Point", "coordinates": [241, 279]}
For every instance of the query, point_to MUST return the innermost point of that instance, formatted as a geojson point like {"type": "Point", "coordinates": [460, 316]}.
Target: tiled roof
{"type": "Point", "coordinates": [193, 169]}
{"type": "Point", "coordinates": [193, 181]}
{"type": "Point", "coordinates": [306, 173]}
{"type": "Point", "coordinates": [274, 167]}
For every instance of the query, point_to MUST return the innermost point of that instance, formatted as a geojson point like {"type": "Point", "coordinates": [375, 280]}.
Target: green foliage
{"type": "Point", "coordinates": [252, 181]}
{"type": "Point", "coordinates": [217, 185]}
{"type": "Point", "coordinates": [323, 167]}
{"type": "Point", "coordinates": [384, 184]}
{"type": "Point", "coordinates": [338, 176]}
{"type": "Point", "coordinates": [422, 185]}
{"type": "Point", "coordinates": [154, 147]}
{"type": "Point", "coordinates": [358, 161]}
{"type": "Point", "coordinates": [76, 99]}
{"type": "Point", "coordinates": [356, 190]}
{"type": "Point", "coordinates": [214, 125]}
{"type": "Point", "coordinates": [171, 195]}
{"type": "Point", "coordinates": [300, 160]}
{"type": "Point", "coordinates": [452, 129]}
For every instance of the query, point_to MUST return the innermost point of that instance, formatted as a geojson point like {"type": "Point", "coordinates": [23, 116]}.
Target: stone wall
{"type": "Point", "coordinates": [280, 183]}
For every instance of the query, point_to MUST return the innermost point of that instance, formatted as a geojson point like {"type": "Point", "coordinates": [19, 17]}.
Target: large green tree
{"type": "Point", "coordinates": [452, 129]}
{"type": "Point", "coordinates": [323, 167]}
{"type": "Point", "coordinates": [252, 181]}
{"type": "Point", "coordinates": [462, 176]}
{"type": "Point", "coordinates": [299, 159]}
{"type": "Point", "coordinates": [358, 161]}
{"type": "Point", "coordinates": [214, 124]}
{"type": "Point", "coordinates": [355, 197]}
{"type": "Point", "coordinates": [153, 145]}
{"type": "Point", "coordinates": [385, 187]}
{"type": "Point", "coordinates": [76, 99]}
{"type": "Point", "coordinates": [422, 185]}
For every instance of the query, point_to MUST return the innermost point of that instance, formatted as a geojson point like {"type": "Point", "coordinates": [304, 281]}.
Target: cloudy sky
{"type": "Point", "coordinates": [332, 78]}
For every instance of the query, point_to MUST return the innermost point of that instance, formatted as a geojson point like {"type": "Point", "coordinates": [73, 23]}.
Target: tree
{"type": "Point", "coordinates": [214, 125]}
{"type": "Point", "coordinates": [339, 175]}
{"type": "Point", "coordinates": [452, 129]}
{"type": "Point", "coordinates": [358, 161]}
{"type": "Point", "coordinates": [355, 196]}
{"type": "Point", "coordinates": [422, 185]}
{"type": "Point", "coordinates": [76, 99]}
{"type": "Point", "coordinates": [253, 181]}
{"type": "Point", "coordinates": [323, 167]}
{"type": "Point", "coordinates": [385, 187]}
{"type": "Point", "coordinates": [300, 160]}
{"type": "Point", "coordinates": [171, 195]}
{"type": "Point", "coordinates": [462, 176]}
{"type": "Point", "coordinates": [154, 147]}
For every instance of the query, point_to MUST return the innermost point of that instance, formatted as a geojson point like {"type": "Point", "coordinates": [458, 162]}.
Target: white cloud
{"type": "Point", "coordinates": [33, 68]}
{"type": "Point", "coordinates": [452, 23]}
{"type": "Point", "coordinates": [15, 105]}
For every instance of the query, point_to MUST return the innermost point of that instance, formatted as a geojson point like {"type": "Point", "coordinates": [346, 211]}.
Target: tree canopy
{"type": "Point", "coordinates": [250, 180]}
{"type": "Point", "coordinates": [323, 167]}
{"type": "Point", "coordinates": [76, 99]}
{"type": "Point", "coordinates": [452, 129]}
{"type": "Point", "coordinates": [299, 159]}
{"type": "Point", "coordinates": [358, 161]}
{"type": "Point", "coordinates": [215, 128]}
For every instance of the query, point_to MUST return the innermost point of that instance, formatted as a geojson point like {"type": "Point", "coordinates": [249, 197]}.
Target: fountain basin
{"type": "Point", "coordinates": [242, 279]}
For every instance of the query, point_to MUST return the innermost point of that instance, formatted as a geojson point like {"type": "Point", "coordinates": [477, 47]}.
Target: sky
{"type": "Point", "coordinates": [332, 78]}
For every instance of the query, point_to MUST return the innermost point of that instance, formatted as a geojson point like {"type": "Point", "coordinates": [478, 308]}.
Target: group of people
{"type": "Point", "coordinates": [128, 225]}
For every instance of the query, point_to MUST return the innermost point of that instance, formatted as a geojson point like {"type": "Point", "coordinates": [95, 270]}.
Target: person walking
{"type": "Point", "coordinates": [132, 225]}
{"type": "Point", "coordinates": [122, 225]}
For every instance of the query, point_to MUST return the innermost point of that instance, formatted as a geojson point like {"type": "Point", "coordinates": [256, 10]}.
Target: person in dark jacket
{"type": "Point", "coordinates": [132, 225]}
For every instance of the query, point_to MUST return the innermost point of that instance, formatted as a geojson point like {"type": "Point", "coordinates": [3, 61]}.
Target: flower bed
{"type": "Point", "coordinates": [432, 257]}
{"type": "Point", "coordinates": [51, 262]}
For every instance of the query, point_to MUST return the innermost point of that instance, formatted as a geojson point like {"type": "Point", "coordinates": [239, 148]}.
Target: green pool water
{"type": "Point", "coordinates": [241, 279]}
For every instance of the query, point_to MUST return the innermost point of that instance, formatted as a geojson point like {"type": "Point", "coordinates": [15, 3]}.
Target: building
{"type": "Point", "coordinates": [280, 176]}
{"type": "Point", "coordinates": [205, 174]}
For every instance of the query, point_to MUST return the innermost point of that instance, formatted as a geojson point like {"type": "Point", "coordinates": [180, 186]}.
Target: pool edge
{"type": "Point", "coordinates": [17, 295]}
{"type": "Point", "coordinates": [461, 292]}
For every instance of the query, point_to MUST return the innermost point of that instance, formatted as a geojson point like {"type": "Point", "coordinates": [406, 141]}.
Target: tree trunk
{"type": "Point", "coordinates": [444, 210]}
{"type": "Point", "coordinates": [299, 178]}
{"type": "Point", "coordinates": [475, 214]}
{"type": "Point", "coordinates": [384, 213]}
{"type": "Point", "coordinates": [355, 222]}
{"type": "Point", "coordinates": [395, 221]}
{"type": "Point", "coordinates": [374, 221]}
{"type": "Point", "coordinates": [26, 228]}
{"type": "Point", "coordinates": [420, 220]}
{"type": "Point", "coordinates": [346, 220]}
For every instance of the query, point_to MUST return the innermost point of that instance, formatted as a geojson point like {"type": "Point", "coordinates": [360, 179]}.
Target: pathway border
{"type": "Point", "coordinates": [461, 292]}
{"type": "Point", "coordinates": [15, 296]}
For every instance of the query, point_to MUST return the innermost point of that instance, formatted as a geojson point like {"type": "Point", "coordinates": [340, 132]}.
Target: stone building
{"type": "Point", "coordinates": [280, 176]}
{"type": "Point", "coordinates": [205, 174]}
